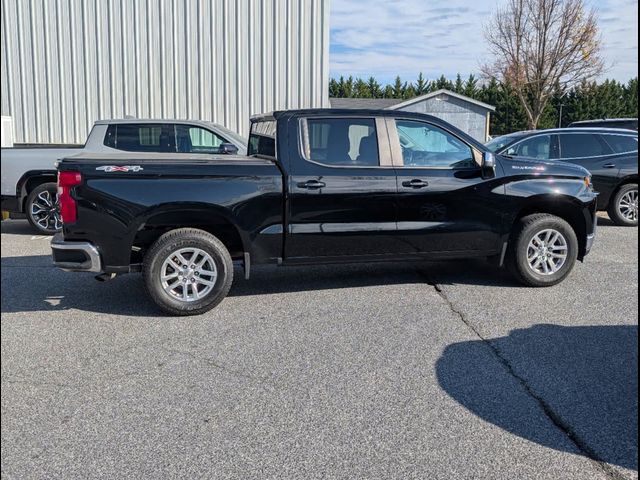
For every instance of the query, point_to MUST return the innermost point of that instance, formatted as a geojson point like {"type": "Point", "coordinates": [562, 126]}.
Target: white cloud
{"type": "Point", "coordinates": [389, 38]}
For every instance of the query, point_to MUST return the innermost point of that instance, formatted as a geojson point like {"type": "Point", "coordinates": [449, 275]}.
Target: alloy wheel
{"type": "Point", "coordinates": [547, 252]}
{"type": "Point", "coordinates": [45, 211]}
{"type": "Point", "coordinates": [628, 206]}
{"type": "Point", "coordinates": [188, 274]}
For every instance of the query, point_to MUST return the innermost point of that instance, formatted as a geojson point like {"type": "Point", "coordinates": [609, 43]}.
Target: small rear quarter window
{"type": "Point", "coordinates": [262, 139]}
{"type": "Point", "coordinates": [622, 143]}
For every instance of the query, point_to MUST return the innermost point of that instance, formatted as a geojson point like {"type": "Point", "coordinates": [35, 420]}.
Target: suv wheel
{"type": "Point", "coordinates": [187, 271]}
{"type": "Point", "coordinates": [43, 209]}
{"type": "Point", "coordinates": [543, 251]}
{"type": "Point", "coordinates": [623, 209]}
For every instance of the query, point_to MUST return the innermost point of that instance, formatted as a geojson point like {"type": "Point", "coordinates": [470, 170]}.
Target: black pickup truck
{"type": "Point", "coordinates": [320, 186]}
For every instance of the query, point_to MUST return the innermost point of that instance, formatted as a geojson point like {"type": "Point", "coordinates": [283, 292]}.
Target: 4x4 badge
{"type": "Point", "coordinates": [120, 168]}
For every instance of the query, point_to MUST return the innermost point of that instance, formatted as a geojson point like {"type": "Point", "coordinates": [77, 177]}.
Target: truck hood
{"type": "Point", "coordinates": [533, 166]}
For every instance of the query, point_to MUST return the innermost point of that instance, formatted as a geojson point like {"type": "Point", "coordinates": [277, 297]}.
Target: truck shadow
{"type": "Point", "coordinates": [587, 376]}
{"type": "Point", "coordinates": [32, 283]}
{"type": "Point", "coordinates": [17, 227]}
{"type": "Point", "coordinates": [272, 280]}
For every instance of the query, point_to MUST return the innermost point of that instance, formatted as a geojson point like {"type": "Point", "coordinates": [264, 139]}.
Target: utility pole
{"type": "Point", "coordinates": [560, 116]}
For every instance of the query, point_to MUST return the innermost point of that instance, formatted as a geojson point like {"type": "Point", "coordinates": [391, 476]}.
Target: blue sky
{"type": "Point", "coordinates": [403, 37]}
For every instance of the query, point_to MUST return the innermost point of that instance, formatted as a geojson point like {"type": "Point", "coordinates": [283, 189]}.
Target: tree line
{"type": "Point", "coordinates": [584, 101]}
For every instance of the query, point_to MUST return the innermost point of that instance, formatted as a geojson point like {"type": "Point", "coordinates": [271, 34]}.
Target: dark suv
{"type": "Point", "coordinates": [611, 155]}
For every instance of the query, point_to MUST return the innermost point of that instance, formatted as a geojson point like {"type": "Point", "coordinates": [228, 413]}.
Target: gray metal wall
{"type": "Point", "coordinates": [66, 63]}
{"type": "Point", "coordinates": [468, 117]}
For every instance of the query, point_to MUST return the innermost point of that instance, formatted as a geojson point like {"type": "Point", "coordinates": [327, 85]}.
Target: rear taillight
{"type": "Point", "coordinates": [66, 181]}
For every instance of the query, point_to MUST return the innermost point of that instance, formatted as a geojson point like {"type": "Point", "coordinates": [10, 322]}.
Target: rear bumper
{"type": "Point", "coordinates": [75, 256]}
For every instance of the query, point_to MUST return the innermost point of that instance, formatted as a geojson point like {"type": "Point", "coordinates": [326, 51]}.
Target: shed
{"type": "Point", "coordinates": [468, 114]}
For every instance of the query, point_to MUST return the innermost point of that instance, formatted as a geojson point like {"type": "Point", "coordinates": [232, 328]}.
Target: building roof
{"type": "Point", "coordinates": [398, 104]}
{"type": "Point", "coordinates": [442, 92]}
{"type": "Point", "coordinates": [366, 103]}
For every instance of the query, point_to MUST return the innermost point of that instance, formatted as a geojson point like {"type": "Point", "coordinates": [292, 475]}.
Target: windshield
{"type": "Point", "coordinates": [499, 143]}
{"type": "Point", "coordinates": [235, 138]}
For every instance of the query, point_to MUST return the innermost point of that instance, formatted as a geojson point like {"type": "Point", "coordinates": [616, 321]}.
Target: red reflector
{"type": "Point", "coordinates": [68, 210]}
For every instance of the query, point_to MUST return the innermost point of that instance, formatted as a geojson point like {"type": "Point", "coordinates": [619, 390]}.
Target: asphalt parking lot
{"type": "Point", "coordinates": [435, 370]}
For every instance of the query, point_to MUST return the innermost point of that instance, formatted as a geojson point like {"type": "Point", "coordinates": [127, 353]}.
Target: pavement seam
{"type": "Point", "coordinates": [555, 418]}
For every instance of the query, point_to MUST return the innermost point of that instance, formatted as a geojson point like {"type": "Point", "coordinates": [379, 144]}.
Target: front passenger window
{"type": "Point", "coordinates": [425, 145]}
{"type": "Point", "coordinates": [191, 139]}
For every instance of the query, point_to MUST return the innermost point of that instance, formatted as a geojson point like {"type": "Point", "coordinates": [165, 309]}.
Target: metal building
{"type": "Point", "coordinates": [468, 114]}
{"type": "Point", "coordinates": [67, 63]}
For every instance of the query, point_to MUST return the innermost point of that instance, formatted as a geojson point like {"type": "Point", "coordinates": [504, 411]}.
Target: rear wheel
{"type": "Point", "coordinates": [623, 209]}
{"type": "Point", "coordinates": [43, 209]}
{"type": "Point", "coordinates": [187, 271]}
{"type": "Point", "coordinates": [543, 250]}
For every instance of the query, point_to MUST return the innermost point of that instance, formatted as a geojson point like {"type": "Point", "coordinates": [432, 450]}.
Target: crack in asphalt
{"type": "Point", "coordinates": [553, 416]}
{"type": "Point", "coordinates": [218, 366]}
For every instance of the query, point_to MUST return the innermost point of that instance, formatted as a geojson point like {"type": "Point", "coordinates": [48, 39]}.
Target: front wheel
{"type": "Point", "coordinates": [187, 272]}
{"type": "Point", "coordinates": [43, 209]}
{"type": "Point", "coordinates": [543, 250]}
{"type": "Point", "coordinates": [623, 209]}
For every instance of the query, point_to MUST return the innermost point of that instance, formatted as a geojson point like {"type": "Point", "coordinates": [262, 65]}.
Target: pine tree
{"type": "Point", "coordinates": [458, 87]}
{"type": "Point", "coordinates": [421, 86]}
{"type": "Point", "coordinates": [361, 89]}
{"type": "Point", "coordinates": [630, 96]}
{"type": "Point", "coordinates": [374, 88]}
{"type": "Point", "coordinates": [398, 88]}
{"type": "Point", "coordinates": [388, 92]}
{"type": "Point", "coordinates": [471, 87]}
{"type": "Point", "coordinates": [409, 91]}
{"type": "Point", "coordinates": [348, 87]}
{"type": "Point", "coordinates": [334, 89]}
{"type": "Point", "coordinates": [442, 82]}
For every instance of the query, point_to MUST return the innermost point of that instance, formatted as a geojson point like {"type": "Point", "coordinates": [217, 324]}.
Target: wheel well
{"type": "Point", "coordinates": [31, 182]}
{"type": "Point", "coordinates": [161, 223]}
{"type": "Point", "coordinates": [565, 210]}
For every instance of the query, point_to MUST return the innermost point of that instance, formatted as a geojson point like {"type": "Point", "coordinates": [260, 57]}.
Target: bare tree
{"type": "Point", "coordinates": [541, 46]}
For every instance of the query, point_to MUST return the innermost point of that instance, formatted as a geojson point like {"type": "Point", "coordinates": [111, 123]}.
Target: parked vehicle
{"type": "Point", "coordinates": [29, 171]}
{"type": "Point", "coordinates": [611, 155]}
{"type": "Point", "coordinates": [320, 186]}
{"type": "Point", "coordinates": [626, 123]}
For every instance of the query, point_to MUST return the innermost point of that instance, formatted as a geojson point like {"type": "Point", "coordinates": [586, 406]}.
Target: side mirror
{"type": "Point", "coordinates": [228, 149]}
{"type": "Point", "coordinates": [488, 165]}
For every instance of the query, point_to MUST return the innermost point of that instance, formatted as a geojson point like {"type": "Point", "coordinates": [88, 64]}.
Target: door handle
{"type": "Point", "coordinates": [415, 183]}
{"type": "Point", "coordinates": [312, 184]}
{"type": "Point", "coordinates": [609, 165]}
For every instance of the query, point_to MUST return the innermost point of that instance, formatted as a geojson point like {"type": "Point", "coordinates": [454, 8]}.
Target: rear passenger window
{"type": "Point", "coordinates": [576, 145]}
{"type": "Point", "coordinates": [341, 141]}
{"type": "Point", "coordinates": [622, 143]}
{"type": "Point", "coordinates": [145, 137]}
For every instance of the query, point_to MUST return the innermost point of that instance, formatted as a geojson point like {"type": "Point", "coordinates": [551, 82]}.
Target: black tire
{"type": "Point", "coordinates": [615, 206]}
{"type": "Point", "coordinates": [43, 214]}
{"type": "Point", "coordinates": [523, 234]}
{"type": "Point", "coordinates": [165, 247]}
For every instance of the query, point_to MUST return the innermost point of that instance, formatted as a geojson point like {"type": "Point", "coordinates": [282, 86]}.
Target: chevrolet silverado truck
{"type": "Point", "coordinates": [320, 186]}
{"type": "Point", "coordinates": [29, 171]}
